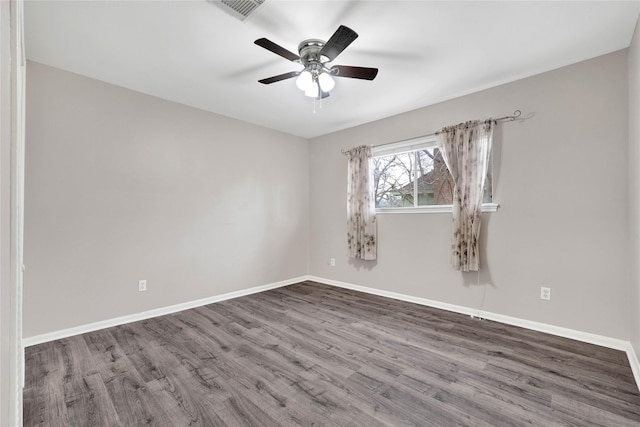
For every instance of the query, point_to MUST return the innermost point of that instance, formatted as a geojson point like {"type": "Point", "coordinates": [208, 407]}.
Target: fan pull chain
{"type": "Point", "coordinates": [319, 104]}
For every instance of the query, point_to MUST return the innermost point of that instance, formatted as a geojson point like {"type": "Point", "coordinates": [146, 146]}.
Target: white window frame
{"type": "Point", "coordinates": [414, 144]}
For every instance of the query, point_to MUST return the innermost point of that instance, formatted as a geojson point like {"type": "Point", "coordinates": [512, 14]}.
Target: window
{"type": "Point", "coordinates": [411, 176]}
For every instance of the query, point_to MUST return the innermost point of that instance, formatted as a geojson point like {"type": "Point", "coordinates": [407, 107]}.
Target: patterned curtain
{"type": "Point", "coordinates": [466, 148]}
{"type": "Point", "coordinates": [361, 213]}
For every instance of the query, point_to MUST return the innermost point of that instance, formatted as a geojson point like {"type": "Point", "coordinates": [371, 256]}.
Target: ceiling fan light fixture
{"type": "Point", "coordinates": [326, 82]}
{"type": "Point", "coordinates": [316, 78]}
{"type": "Point", "coordinates": [304, 80]}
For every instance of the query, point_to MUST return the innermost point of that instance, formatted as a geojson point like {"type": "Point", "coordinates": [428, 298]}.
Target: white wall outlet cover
{"type": "Point", "coordinates": [142, 285]}
{"type": "Point", "coordinates": [545, 293]}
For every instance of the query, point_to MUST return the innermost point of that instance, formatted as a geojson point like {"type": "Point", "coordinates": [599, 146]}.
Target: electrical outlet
{"type": "Point", "coordinates": [142, 285]}
{"type": "Point", "coordinates": [332, 262]}
{"type": "Point", "coordinates": [545, 293]}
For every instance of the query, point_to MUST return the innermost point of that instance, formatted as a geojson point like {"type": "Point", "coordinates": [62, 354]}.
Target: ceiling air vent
{"type": "Point", "coordinates": [241, 9]}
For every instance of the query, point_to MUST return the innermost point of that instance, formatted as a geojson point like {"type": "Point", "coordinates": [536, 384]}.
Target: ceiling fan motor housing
{"type": "Point", "coordinates": [309, 51]}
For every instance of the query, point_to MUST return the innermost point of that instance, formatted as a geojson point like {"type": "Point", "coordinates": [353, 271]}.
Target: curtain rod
{"type": "Point", "coordinates": [516, 114]}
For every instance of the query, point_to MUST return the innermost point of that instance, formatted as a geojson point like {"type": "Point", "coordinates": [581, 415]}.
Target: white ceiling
{"type": "Point", "coordinates": [194, 53]}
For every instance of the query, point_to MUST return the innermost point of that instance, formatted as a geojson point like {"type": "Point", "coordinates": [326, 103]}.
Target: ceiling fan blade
{"type": "Point", "coordinates": [364, 73]}
{"type": "Point", "coordinates": [338, 42]}
{"type": "Point", "coordinates": [279, 77]}
{"type": "Point", "coordinates": [277, 49]}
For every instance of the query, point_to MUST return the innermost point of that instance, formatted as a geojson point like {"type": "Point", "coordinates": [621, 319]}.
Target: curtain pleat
{"type": "Point", "coordinates": [361, 213]}
{"type": "Point", "coordinates": [466, 148]}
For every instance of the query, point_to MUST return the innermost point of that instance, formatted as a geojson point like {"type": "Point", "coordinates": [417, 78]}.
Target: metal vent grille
{"type": "Point", "coordinates": [241, 9]}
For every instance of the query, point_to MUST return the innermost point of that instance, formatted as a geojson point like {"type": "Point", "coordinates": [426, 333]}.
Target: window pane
{"type": "Point", "coordinates": [435, 186]}
{"type": "Point", "coordinates": [488, 184]}
{"type": "Point", "coordinates": [393, 180]}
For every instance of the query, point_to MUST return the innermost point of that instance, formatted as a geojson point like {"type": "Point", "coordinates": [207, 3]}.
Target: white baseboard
{"type": "Point", "coordinates": [91, 327]}
{"type": "Point", "coordinates": [633, 361]}
{"type": "Point", "coordinates": [613, 343]}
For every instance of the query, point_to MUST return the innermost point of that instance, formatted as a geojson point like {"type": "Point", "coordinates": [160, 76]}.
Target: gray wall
{"type": "Point", "coordinates": [122, 186]}
{"type": "Point", "coordinates": [562, 186]}
{"type": "Point", "coordinates": [634, 185]}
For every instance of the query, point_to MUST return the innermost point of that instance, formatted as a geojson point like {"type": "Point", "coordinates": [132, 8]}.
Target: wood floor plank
{"type": "Point", "coordinates": [87, 402]}
{"type": "Point", "coordinates": [135, 403]}
{"type": "Point", "coordinates": [44, 406]}
{"type": "Point", "coordinates": [584, 413]}
{"type": "Point", "coordinates": [186, 404]}
{"type": "Point", "coordinates": [315, 355]}
{"type": "Point", "coordinates": [240, 411]}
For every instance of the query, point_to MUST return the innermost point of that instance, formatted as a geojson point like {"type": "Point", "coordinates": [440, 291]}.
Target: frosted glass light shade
{"type": "Point", "coordinates": [326, 82]}
{"type": "Point", "coordinates": [313, 90]}
{"type": "Point", "coordinates": [304, 80]}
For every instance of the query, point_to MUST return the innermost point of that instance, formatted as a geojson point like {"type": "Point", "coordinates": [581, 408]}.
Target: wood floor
{"type": "Point", "coordinates": [314, 355]}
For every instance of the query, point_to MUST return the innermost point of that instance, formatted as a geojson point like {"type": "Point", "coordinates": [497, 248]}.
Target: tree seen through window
{"type": "Point", "coordinates": [415, 178]}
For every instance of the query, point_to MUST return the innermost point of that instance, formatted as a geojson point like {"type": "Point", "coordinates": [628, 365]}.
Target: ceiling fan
{"type": "Point", "coordinates": [314, 55]}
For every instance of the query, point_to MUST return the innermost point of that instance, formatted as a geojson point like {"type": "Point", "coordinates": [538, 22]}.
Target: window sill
{"type": "Point", "coordinates": [486, 207]}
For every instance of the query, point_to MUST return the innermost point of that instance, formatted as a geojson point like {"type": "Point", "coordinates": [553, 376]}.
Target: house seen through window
{"type": "Point", "coordinates": [414, 174]}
